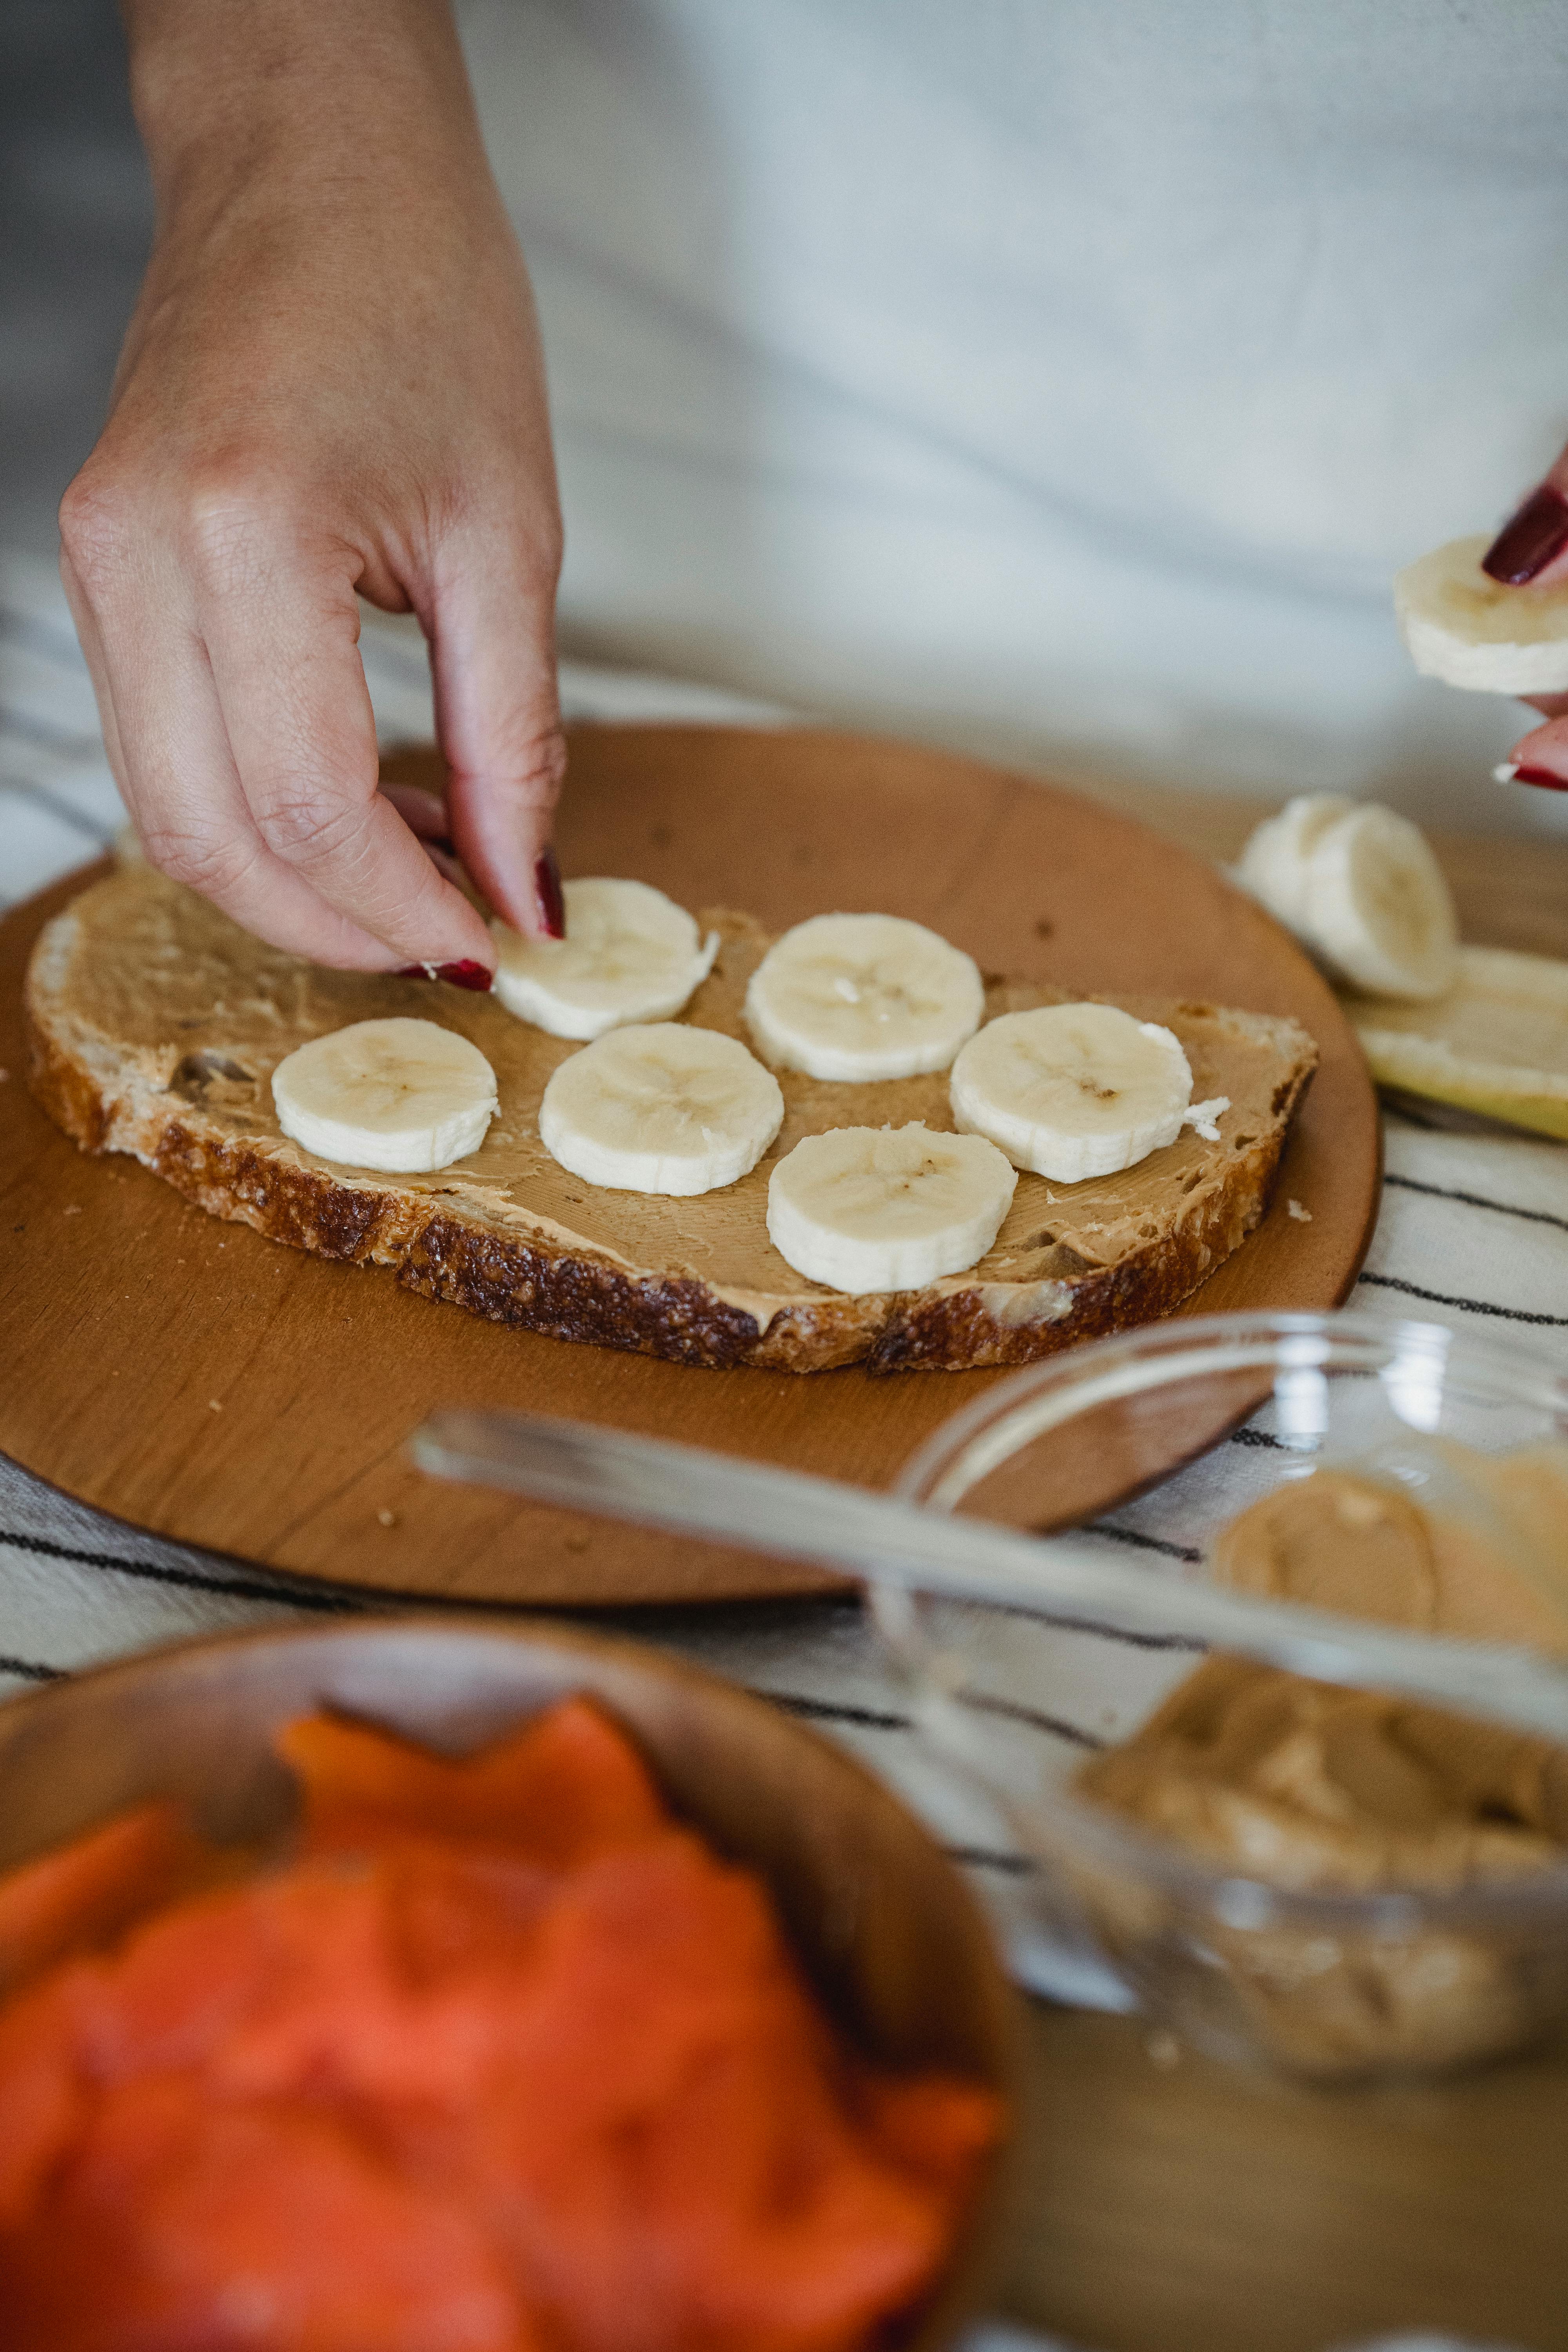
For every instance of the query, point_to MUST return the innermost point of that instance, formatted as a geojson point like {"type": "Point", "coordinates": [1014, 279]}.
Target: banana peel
{"type": "Point", "coordinates": [1495, 1045]}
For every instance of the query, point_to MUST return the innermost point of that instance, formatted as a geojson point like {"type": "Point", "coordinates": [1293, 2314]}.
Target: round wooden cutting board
{"type": "Point", "coordinates": [197, 1380]}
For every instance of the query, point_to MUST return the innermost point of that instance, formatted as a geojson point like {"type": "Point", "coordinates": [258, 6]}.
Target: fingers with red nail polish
{"type": "Point", "coordinates": [1531, 540]}
{"type": "Point", "coordinates": [1540, 758]}
{"type": "Point", "coordinates": [552, 898]}
{"type": "Point", "coordinates": [475, 976]}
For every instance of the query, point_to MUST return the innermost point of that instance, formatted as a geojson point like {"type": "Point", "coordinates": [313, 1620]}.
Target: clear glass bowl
{"type": "Point", "coordinates": [1331, 1985]}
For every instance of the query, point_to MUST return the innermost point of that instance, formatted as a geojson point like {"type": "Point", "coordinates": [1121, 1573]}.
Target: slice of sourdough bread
{"type": "Point", "coordinates": [156, 1025]}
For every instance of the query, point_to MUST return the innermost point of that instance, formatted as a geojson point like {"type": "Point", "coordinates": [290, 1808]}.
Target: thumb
{"type": "Point", "coordinates": [497, 714]}
{"type": "Point", "coordinates": [1541, 756]}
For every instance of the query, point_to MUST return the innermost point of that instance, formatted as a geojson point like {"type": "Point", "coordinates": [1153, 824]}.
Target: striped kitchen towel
{"type": "Point", "coordinates": [1473, 1231]}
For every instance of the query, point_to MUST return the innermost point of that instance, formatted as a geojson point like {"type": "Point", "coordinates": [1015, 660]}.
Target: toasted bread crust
{"type": "Point", "coordinates": [113, 1099]}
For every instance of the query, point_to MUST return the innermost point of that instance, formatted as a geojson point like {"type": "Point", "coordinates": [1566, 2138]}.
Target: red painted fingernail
{"type": "Point", "coordinates": [1529, 540]}
{"type": "Point", "coordinates": [477, 976]}
{"type": "Point", "coordinates": [1542, 776]}
{"type": "Point", "coordinates": [548, 891]}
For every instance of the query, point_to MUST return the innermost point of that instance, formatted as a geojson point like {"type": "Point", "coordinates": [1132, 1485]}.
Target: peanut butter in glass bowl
{"type": "Point", "coordinates": [1341, 1884]}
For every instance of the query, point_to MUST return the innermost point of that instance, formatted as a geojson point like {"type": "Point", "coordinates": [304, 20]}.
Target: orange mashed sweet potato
{"type": "Point", "coordinates": [501, 2059]}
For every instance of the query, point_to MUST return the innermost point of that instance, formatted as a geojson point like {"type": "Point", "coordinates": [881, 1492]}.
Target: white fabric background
{"type": "Point", "coordinates": [1056, 377]}
{"type": "Point", "coordinates": [1473, 1231]}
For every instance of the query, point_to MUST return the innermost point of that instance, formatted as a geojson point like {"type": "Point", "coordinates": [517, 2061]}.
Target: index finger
{"type": "Point", "coordinates": [283, 641]}
{"type": "Point", "coordinates": [499, 714]}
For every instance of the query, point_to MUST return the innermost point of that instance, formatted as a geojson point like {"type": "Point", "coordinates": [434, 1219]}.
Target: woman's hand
{"type": "Point", "coordinates": [332, 382]}
{"type": "Point", "coordinates": [1531, 551]}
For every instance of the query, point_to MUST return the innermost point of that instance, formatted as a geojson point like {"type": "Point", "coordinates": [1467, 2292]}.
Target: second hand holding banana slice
{"type": "Point", "coordinates": [862, 997]}
{"type": "Point", "coordinates": [404, 1096]}
{"type": "Point", "coordinates": [630, 954]}
{"type": "Point", "coordinates": [1073, 1090]}
{"type": "Point", "coordinates": [1472, 631]}
{"type": "Point", "coordinates": [866, 1209]}
{"type": "Point", "coordinates": [660, 1107]}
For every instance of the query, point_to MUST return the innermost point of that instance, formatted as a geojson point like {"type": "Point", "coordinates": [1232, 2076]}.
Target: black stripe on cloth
{"type": "Point", "coordinates": [1144, 1543]}
{"type": "Point", "coordinates": [1477, 1201]}
{"type": "Point", "coordinates": [1092, 1625]}
{"type": "Point", "coordinates": [1059, 1727]}
{"type": "Point", "coordinates": [32, 1670]}
{"type": "Point", "coordinates": [823, 1710]}
{"type": "Point", "coordinates": [191, 1579]}
{"type": "Point", "coordinates": [40, 636]}
{"type": "Point", "coordinates": [61, 810]}
{"type": "Point", "coordinates": [1259, 1437]}
{"type": "Point", "coordinates": [981, 1857]}
{"type": "Point", "coordinates": [1470, 1305]}
{"type": "Point", "coordinates": [48, 736]}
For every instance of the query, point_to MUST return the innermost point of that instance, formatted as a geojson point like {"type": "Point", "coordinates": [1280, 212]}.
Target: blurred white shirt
{"type": "Point", "coordinates": [1060, 377]}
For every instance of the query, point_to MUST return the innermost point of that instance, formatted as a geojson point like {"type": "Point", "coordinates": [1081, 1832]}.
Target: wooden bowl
{"type": "Point", "coordinates": [886, 1928]}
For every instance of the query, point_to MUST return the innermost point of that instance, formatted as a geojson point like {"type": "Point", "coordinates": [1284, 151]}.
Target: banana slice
{"type": "Point", "coordinates": [405, 1096]}
{"type": "Point", "coordinates": [1378, 907]}
{"type": "Point", "coordinates": [885, 1208]}
{"type": "Point", "coordinates": [854, 997]}
{"type": "Point", "coordinates": [1360, 886]}
{"type": "Point", "coordinates": [1496, 1044]}
{"type": "Point", "coordinates": [1073, 1090]}
{"type": "Point", "coordinates": [661, 1108]}
{"type": "Point", "coordinates": [1273, 866]}
{"type": "Point", "coordinates": [1471, 631]}
{"type": "Point", "coordinates": [630, 954]}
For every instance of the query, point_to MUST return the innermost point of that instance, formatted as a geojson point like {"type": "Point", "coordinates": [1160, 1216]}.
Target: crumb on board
{"type": "Point", "coordinates": [386, 1518]}
{"type": "Point", "coordinates": [1302, 1216]}
{"type": "Point", "coordinates": [213, 1405]}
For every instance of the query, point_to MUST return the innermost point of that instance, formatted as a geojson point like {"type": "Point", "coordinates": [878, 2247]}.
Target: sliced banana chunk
{"type": "Point", "coordinates": [1471, 631]}
{"type": "Point", "coordinates": [1273, 866]}
{"type": "Point", "coordinates": [1378, 906]}
{"type": "Point", "coordinates": [403, 1096]}
{"type": "Point", "coordinates": [855, 997]}
{"type": "Point", "coordinates": [630, 954]}
{"type": "Point", "coordinates": [1073, 1090]}
{"type": "Point", "coordinates": [886, 1208]}
{"type": "Point", "coordinates": [1359, 886]}
{"type": "Point", "coordinates": [660, 1107]}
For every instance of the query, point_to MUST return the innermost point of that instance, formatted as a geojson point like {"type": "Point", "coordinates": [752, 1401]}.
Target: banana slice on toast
{"type": "Point", "coordinates": [854, 998]}
{"type": "Point", "coordinates": [1073, 1090]}
{"type": "Point", "coordinates": [403, 1096]}
{"type": "Point", "coordinates": [866, 1209]}
{"type": "Point", "coordinates": [630, 954]}
{"type": "Point", "coordinates": [660, 1107]}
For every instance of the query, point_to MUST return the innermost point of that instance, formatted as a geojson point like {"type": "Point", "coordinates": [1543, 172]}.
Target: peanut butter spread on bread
{"type": "Point", "coordinates": [157, 1022]}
